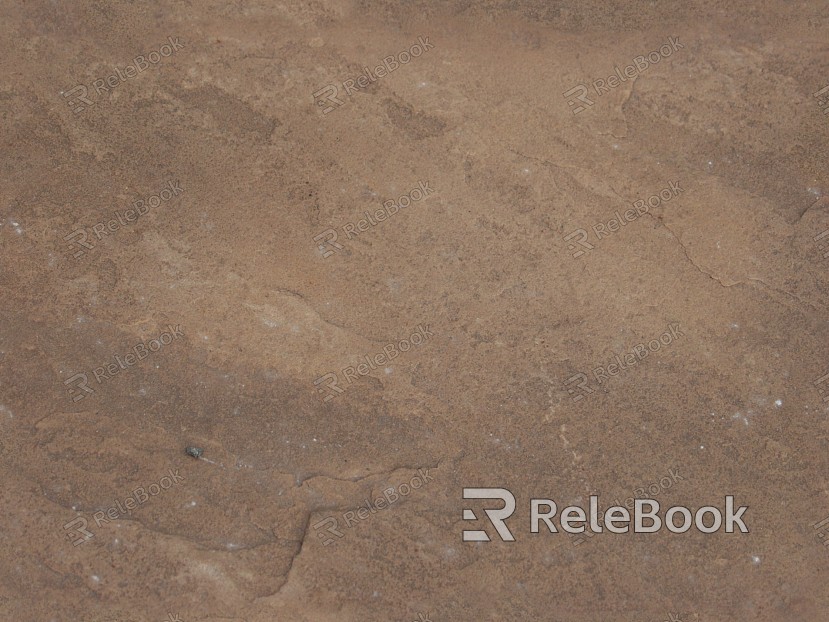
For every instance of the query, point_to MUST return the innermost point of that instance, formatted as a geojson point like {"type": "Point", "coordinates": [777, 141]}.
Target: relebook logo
{"type": "Point", "coordinates": [616, 519]}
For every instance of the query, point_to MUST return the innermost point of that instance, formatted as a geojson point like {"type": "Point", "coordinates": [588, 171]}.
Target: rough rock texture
{"type": "Point", "coordinates": [255, 309]}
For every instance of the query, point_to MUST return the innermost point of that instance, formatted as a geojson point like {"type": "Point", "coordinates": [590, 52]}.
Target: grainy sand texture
{"type": "Point", "coordinates": [328, 310]}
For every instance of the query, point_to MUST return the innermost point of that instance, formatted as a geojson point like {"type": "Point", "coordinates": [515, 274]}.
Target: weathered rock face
{"type": "Point", "coordinates": [281, 280]}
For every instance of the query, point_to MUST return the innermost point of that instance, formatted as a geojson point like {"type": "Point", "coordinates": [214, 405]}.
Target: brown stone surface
{"type": "Point", "coordinates": [731, 405]}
